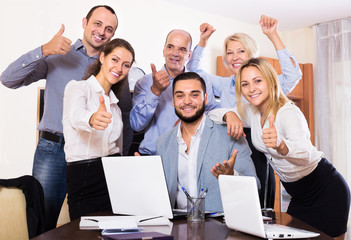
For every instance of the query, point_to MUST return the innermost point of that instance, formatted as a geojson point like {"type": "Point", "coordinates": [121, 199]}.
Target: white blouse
{"type": "Point", "coordinates": [292, 127]}
{"type": "Point", "coordinates": [81, 100]}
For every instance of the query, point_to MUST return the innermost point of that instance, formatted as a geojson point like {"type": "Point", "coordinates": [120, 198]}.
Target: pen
{"type": "Point", "coordinates": [202, 189]}
{"type": "Point", "coordinates": [187, 195]}
{"type": "Point", "coordinates": [146, 219]}
{"type": "Point", "coordinates": [90, 219]}
{"type": "Point", "coordinates": [204, 194]}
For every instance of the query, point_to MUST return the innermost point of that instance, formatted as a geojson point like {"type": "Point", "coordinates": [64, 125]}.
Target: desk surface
{"type": "Point", "coordinates": [180, 229]}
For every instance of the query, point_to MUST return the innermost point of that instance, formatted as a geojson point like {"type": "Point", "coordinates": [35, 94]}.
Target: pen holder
{"type": "Point", "coordinates": [196, 209]}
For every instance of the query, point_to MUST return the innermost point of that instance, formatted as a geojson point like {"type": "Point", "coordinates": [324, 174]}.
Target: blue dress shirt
{"type": "Point", "coordinates": [156, 114]}
{"type": "Point", "coordinates": [224, 87]}
{"type": "Point", "coordinates": [58, 70]}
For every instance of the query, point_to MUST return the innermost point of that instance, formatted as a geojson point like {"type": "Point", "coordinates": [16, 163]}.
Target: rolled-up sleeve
{"type": "Point", "coordinates": [145, 103]}
{"type": "Point", "coordinates": [290, 74]}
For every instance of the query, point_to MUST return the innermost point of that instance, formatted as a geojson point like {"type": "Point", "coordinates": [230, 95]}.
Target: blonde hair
{"type": "Point", "coordinates": [248, 42]}
{"type": "Point", "coordinates": [277, 99]}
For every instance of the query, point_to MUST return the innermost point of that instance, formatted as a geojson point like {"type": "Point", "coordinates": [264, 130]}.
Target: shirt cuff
{"type": "Point", "coordinates": [37, 54]}
{"type": "Point", "coordinates": [199, 50]}
{"type": "Point", "coordinates": [151, 98]}
{"type": "Point", "coordinates": [217, 114]}
{"type": "Point", "coordinates": [284, 53]}
{"type": "Point", "coordinates": [86, 120]}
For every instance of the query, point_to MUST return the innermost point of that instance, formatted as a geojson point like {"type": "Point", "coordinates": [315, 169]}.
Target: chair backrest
{"type": "Point", "coordinates": [13, 218]}
{"type": "Point", "coordinates": [34, 203]}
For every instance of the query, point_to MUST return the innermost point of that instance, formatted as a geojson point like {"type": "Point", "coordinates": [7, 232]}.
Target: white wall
{"type": "Point", "coordinates": [29, 24]}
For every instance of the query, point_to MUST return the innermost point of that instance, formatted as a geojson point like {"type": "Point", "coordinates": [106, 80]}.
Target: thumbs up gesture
{"type": "Point", "coordinates": [160, 80]}
{"type": "Point", "coordinates": [58, 44]}
{"type": "Point", "coordinates": [101, 118]}
{"type": "Point", "coordinates": [269, 135]}
{"type": "Point", "coordinates": [227, 168]}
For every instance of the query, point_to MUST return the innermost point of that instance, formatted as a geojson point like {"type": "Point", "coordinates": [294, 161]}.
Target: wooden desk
{"type": "Point", "coordinates": [181, 229]}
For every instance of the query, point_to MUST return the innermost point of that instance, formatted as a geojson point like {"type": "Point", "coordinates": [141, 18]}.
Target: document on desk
{"type": "Point", "coordinates": [121, 222]}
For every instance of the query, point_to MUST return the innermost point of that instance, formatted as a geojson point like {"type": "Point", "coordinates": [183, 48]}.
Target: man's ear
{"type": "Point", "coordinates": [102, 57]}
{"type": "Point", "coordinates": [190, 53]}
{"type": "Point", "coordinates": [206, 98]}
{"type": "Point", "coordinates": [84, 22]}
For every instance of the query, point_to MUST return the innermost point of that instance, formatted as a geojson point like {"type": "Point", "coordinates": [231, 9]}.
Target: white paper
{"type": "Point", "coordinates": [122, 224]}
{"type": "Point", "coordinates": [104, 222]}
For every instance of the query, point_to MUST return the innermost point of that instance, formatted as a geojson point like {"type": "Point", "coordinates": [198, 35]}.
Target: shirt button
{"type": "Point", "coordinates": [23, 65]}
{"type": "Point", "coordinates": [37, 56]}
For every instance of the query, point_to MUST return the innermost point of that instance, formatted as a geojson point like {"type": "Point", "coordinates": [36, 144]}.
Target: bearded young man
{"type": "Point", "coordinates": [191, 149]}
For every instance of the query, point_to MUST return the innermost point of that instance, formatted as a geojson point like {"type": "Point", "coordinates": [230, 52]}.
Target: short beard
{"type": "Point", "coordinates": [193, 118]}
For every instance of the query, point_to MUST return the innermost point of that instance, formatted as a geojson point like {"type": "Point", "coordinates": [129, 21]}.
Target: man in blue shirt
{"type": "Point", "coordinates": [152, 98]}
{"type": "Point", "coordinates": [59, 62]}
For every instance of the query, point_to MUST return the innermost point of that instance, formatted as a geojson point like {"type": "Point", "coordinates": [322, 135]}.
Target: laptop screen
{"type": "Point", "coordinates": [137, 185]}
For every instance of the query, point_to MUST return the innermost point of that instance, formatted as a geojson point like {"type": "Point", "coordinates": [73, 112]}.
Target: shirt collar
{"type": "Point", "coordinates": [197, 134]}
{"type": "Point", "coordinates": [99, 90]}
{"type": "Point", "coordinates": [78, 45]}
{"type": "Point", "coordinates": [170, 78]}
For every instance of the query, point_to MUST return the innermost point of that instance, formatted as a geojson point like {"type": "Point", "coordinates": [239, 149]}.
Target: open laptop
{"type": "Point", "coordinates": [137, 185]}
{"type": "Point", "coordinates": [242, 210]}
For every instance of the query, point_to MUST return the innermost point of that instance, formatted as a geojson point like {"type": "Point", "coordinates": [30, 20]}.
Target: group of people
{"type": "Point", "coordinates": [89, 114]}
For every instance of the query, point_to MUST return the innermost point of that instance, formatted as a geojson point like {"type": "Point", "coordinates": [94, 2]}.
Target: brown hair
{"type": "Point", "coordinates": [90, 13]}
{"type": "Point", "coordinates": [95, 68]}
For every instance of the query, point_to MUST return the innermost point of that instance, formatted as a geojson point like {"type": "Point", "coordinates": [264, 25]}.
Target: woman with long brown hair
{"type": "Point", "coordinates": [93, 128]}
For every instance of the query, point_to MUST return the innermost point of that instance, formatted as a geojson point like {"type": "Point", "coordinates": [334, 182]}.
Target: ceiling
{"type": "Point", "coordinates": [292, 15]}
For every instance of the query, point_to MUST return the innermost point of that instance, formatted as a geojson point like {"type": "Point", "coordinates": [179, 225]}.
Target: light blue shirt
{"type": "Point", "coordinates": [224, 87]}
{"type": "Point", "coordinates": [156, 114]}
{"type": "Point", "coordinates": [58, 70]}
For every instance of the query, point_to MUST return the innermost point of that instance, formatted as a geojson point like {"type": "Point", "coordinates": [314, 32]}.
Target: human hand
{"type": "Point", "coordinates": [160, 80]}
{"type": "Point", "coordinates": [101, 118]}
{"type": "Point", "coordinates": [270, 136]}
{"type": "Point", "coordinates": [136, 154]}
{"type": "Point", "coordinates": [235, 126]}
{"type": "Point", "coordinates": [206, 31]}
{"type": "Point", "coordinates": [269, 25]}
{"type": "Point", "coordinates": [58, 44]}
{"type": "Point", "coordinates": [227, 168]}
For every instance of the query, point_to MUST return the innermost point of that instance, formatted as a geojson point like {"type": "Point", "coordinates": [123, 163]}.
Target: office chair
{"type": "Point", "coordinates": [13, 221]}
{"type": "Point", "coordinates": [21, 198]}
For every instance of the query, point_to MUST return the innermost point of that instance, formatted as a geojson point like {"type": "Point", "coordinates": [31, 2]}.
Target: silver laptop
{"type": "Point", "coordinates": [137, 185]}
{"type": "Point", "coordinates": [242, 210]}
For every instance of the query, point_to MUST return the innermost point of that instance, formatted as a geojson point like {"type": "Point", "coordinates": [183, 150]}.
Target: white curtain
{"type": "Point", "coordinates": [332, 93]}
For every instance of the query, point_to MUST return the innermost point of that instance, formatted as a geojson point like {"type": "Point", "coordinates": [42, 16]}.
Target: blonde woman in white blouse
{"type": "Point", "coordinates": [280, 131]}
{"type": "Point", "coordinates": [93, 128]}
